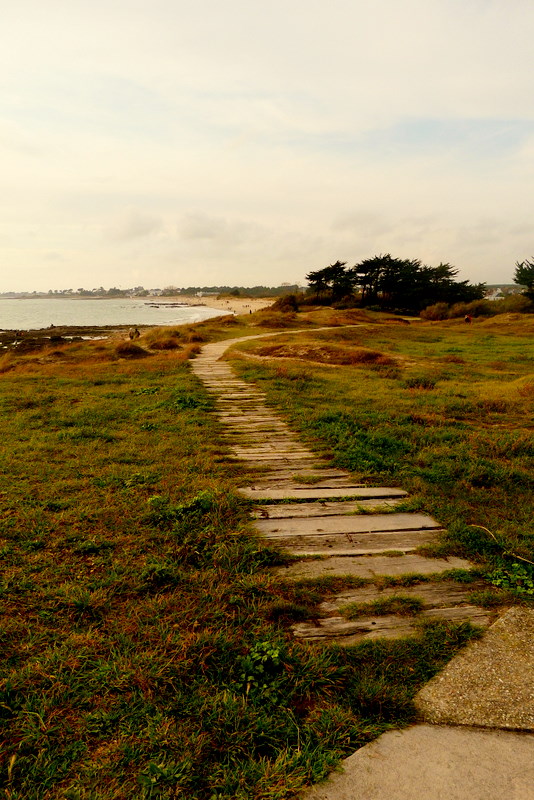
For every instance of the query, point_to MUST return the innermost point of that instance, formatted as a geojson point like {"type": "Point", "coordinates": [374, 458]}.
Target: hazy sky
{"type": "Point", "coordinates": [179, 142]}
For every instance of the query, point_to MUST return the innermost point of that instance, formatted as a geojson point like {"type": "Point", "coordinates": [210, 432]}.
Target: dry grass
{"type": "Point", "coordinates": [326, 354]}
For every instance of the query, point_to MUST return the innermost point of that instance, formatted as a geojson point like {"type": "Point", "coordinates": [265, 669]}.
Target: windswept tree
{"type": "Point", "coordinates": [524, 276]}
{"type": "Point", "coordinates": [334, 281]}
{"type": "Point", "coordinates": [384, 280]}
{"type": "Point", "coordinates": [393, 283]}
{"type": "Point", "coordinates": [410, 285]}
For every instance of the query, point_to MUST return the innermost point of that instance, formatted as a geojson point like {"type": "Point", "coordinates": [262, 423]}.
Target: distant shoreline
{"type": "Point", "coordinates": [233, 305]}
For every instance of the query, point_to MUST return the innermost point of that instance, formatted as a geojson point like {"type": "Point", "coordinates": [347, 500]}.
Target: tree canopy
{"type": "Point", "coordinates": [524, 276]}
{"type": "Point", "coordinates": [393, 283]}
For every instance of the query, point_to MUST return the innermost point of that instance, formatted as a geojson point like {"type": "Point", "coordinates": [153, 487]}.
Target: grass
{"type": "Point", "coordinates": [145, 646]}
{"type": "Point", "coordinates": [456, 434]}
{"type": "Point", "coordinates": [399, 604]}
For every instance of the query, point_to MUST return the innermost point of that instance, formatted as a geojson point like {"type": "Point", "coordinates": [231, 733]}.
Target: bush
{"type": "Point", "coordinates": [130, 350]}
{"type": "Point", "coordinates": [514, 304]}
{"type": "Point", "coordinates": [477, 308]}
{"type": "Point", "coordinates": [276, 319]}
{"type": "Point", "coordinates": [168, 343]}
{"type": "Point", "coordinates": [436, 312]}
{"type": "Point", "coordinates": [286, 303]}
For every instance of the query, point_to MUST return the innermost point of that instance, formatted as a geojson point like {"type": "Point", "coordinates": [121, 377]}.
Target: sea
{"type": "Point", "coordinates": [36, 313]}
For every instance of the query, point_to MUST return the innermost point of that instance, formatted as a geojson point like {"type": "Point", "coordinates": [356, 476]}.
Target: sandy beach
{"type": "Point", "coordinates": [232, 305]}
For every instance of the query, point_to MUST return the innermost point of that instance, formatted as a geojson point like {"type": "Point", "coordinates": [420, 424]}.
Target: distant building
{"type": "Point", "coordinates": [494, 294]}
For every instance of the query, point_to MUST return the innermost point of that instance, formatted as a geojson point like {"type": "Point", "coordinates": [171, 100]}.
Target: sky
{"type": "Point", "coordinates": [239, 142]}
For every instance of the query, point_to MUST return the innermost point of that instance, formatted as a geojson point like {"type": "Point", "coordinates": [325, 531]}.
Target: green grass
{"type": "Point", "coordinates": [456, 434]}
{"type": "Point", "coordinates": [146, 651]}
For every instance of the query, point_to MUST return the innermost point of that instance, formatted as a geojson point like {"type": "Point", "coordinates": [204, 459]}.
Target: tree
{"type": "Point", "coordinates": [524, 276]}
{"type": "Point", "coordinates": [387, 281]}
{"type": "Point", "coordinates": [397, 283]}
{"type": "Point", "coordinates": [334, 281]}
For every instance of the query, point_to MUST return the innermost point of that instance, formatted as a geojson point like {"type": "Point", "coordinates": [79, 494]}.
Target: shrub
{"type": "Point", "coordinates": [477, 308]}
{"type": "Point", "coordinates": [420, 382]}
{"type": "Point", "coordinates": [286, 303]}
{"type": "Point", "coordinates": [438, 311]}
{"type": "Point", "coordinates": [169, 343]}
{"type": "Point", "coordinates": [276, 319]}
{"type": "Point", "coordinates": [130, 350]}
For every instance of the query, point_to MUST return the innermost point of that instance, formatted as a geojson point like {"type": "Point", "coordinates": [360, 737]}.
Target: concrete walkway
{"type": "Point", "coordinates": [357, 531]}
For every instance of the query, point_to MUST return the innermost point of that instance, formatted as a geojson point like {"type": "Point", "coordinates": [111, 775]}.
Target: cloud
{"type": "Point", "coordinates": [254, 142]}
{"type": "Point", "coordinates": [133, 224]}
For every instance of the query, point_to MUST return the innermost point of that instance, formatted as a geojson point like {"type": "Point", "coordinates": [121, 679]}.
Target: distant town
{"type": "Point", "coordinates": [168, 291]}
{"type": "Point", "coordinates": [493, 292]}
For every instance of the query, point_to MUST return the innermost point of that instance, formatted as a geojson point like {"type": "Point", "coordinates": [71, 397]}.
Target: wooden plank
{"type": "Point", "coordinates": [251, 419]}
{"type": "Point", "coordinates": [360, 544]}
{"type": "Point", "coordinates": [370, 566]}
{"type": "Point", "coordinates": [259, 447]}
{"type": "Point", "coordinates": [347, 632]}
{"type": "Point", "coordinates": [444, 593]}
{"type": "Point", "coordinates": [334, 628]}
{"type": "Point", "coordinates": [293, 464]}
{"type": "Point", "coordinates": [322, 508]}
{"type": "Point", "coordinates": [298, 491]}
{"type": "Point", "coordinates": [266, 455]}
{"type": "Point", "coordinates": [320, 478]}
{"type": "Point", "coordinates": [349, 523]}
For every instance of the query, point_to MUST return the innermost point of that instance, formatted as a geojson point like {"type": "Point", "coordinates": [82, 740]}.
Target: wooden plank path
{"type": "Point", "coordinates": [314, 510]}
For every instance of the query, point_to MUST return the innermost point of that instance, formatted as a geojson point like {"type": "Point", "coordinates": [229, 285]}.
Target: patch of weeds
{"type": "Point", "coordinates": [286, 613]}
{"type": "Point", "coordinates": [182, 401]}
{"type": "Point", "coordinates": [166, 778]}
{"type": "Point", "coordinates": [88, 434]}
{"type": "Point", "coordinates": [420, 382]}
{"type": "Point", "coordinates": [496, 406]}
{"type": "Point", "coordinates": [459, 575]}
{"type": "Point", "coordinates": [91, 605]}
{"type": "Point", "coordinates": [488, 598]}
{"type": "Point", "coordinates": [163, 514]}
{"type": "Point", "coordinates": [441, 549]}
{"type": "Point", "coordinates": [56, 505]}
{"type": "Point", "coordinates": [161, 573]}
{"type": "Point", "coordinates": [399, 604]}
{"type": "Point", "coordinates": [515, 577]}
{"type": "Point", "coordinates": [149, 426]}
{"type": "Point", "coordinates": [260, 670]}
{"type": "Point", "coordinates": [308, 480]}
{"type": "Point", "coordinates": [90, 547]}
{"type": "Point", "coordinates": [146, 390]}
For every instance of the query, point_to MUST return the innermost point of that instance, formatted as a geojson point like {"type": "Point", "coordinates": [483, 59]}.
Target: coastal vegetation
{"type": "Point", "coordinates": [145, 644]}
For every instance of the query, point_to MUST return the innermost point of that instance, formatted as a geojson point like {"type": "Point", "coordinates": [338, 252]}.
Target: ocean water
{"type": "Point", "coordinates": [36, 313]}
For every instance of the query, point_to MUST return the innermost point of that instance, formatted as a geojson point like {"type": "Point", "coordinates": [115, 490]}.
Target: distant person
{"type": "Point", "coordinates": [133, 333]}
{"type": "Point", "coordinates": [467, 319]}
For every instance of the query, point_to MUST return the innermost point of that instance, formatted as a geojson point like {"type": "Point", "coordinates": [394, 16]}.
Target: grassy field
{"type": "Point", "coordinates": [145, 651]}
{"type": "Point", "coordinates": [444, 410]}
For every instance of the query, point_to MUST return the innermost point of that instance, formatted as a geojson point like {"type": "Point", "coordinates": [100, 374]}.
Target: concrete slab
{"type": "Point", "coordinates": [491, 682]}
{"type": "Point", "coordinates": [434, 763]}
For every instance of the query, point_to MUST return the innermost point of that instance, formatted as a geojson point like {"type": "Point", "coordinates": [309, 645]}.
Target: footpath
{"type": "Point", "coordinates": [475, 738]}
